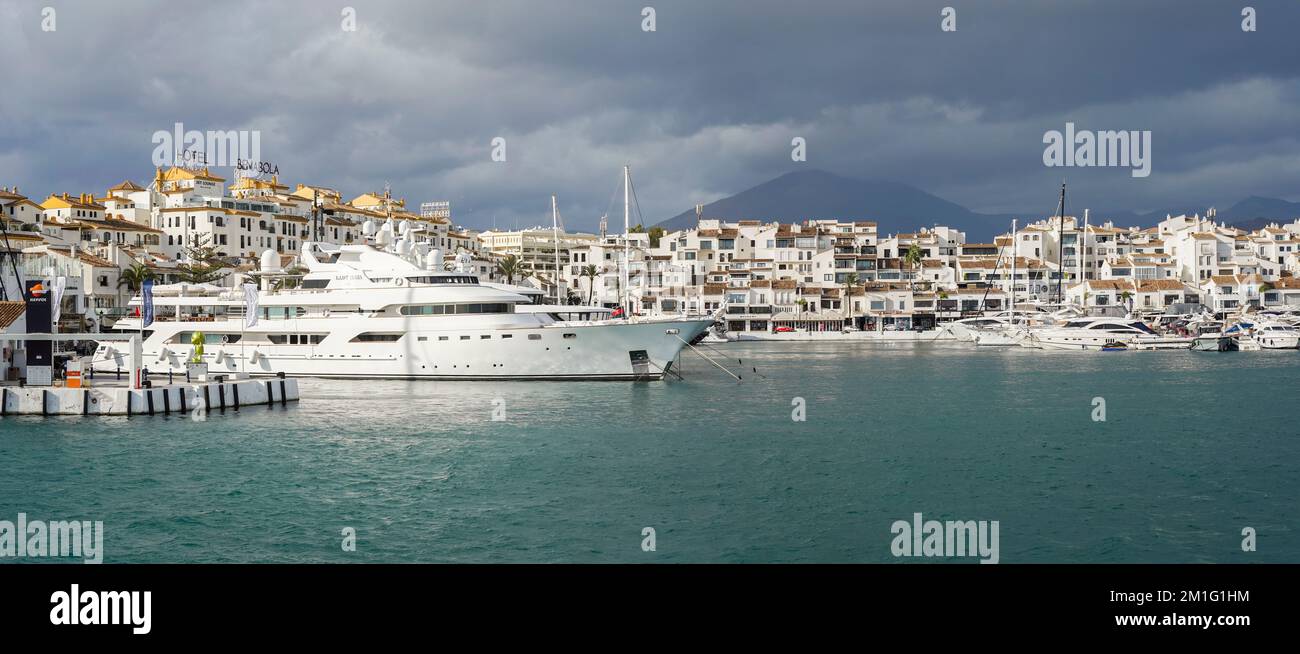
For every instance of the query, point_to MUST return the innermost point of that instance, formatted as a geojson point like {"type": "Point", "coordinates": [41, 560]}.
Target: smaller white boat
{"type": "Point", "coordinates": [1161, 342]}
{"type": "Point", "coordinates": [1276, 336]}
{"type": "Point", "coordinates": [1005, 336]}
{"type": "Point", "coordinates": [1214, 343]}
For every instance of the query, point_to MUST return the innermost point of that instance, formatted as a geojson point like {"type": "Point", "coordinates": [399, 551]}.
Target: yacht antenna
{"type": "Point", "coordinates": [315, 216]}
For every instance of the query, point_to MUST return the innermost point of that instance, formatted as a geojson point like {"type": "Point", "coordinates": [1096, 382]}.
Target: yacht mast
{"type": "Point", "coordinates": [555, 238]}
{"type": "Point", "coordinates": [627, 250]}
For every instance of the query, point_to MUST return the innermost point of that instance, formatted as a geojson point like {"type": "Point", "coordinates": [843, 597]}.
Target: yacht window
{"type": "Point", "coordinates": [315, 283]}
{"type": "Point", "coordinates": [444, 279]}
{"type": "Point", "coordinates": [570, 335]}
{"type": "Point", "coordinates": [372, 337]}
{"type": "Point", "coordinates": [485, 336]}
{"type": "Point", "coordinates": [464, 338]}
{"type": "Point", "coordinates": [507, 336]}
{"type": "Point", "coordinates": [442, 338]}
{"type": "Point", "coordinates": [534, 337]}
{"type": "Point", "coordinates": [448, 309]}
{"type": "Point", "coordinates": [183, 338]}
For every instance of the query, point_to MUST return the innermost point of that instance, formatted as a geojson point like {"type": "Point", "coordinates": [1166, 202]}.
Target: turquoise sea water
{"type": "Point", "coordinates": [1195, 447]}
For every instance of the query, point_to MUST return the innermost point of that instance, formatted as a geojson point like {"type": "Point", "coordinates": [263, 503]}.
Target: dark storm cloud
{"type": "Point", "coordinates": [703, 107]}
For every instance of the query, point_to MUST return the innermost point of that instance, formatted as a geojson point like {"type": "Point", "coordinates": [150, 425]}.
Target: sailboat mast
{"type": "Point", "coordinates": [555, 238]}
{"type": "Point", "coordinates": [627, 236]}
{"type": "Point", "coordinates": [1014, 244]}
{"type": "Point", "coordinates": [1082, 246]}
{"type": "Point", "coordinates": [1060, 246]}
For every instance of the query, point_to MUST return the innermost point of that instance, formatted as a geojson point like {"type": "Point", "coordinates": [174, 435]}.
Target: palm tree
{"type": "Point", "coordinates": [590, 272]}
{"type": "Point", "coordinates": [803, 305]}
{"type": "Point", "coordinates": [509, 266]}
{"type": "Point", "coordinates": [850, 280]}
{"type": "Point", "coordinates": [294, 280]}
{"type": "Point", "coordinates": [133, 278]}
{"type": "Point", "coordinates": [913, 258]}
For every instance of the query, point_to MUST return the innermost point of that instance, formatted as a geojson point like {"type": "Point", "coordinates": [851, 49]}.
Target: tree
{"type": "Point", "coordinates": [656, 233]}
{"type": "Point", "coordinates": [637, 229]}
{"type": "Point", "coordinates": [590, 272]}
{"type": "Point", "coordinates": [510, 266]}
{"type": "Point", "coordinates": [803, 305]}
{"type": "Point", "coordinates": [913, 258]}
{"type": "Point", "coordinates": [294, 280]}
{"type": "Point", "coordinates": [203, 262]}
{"type": "Point", "coordinates": [850, 280]}
{"type": "Point", "coordinates": [133, 278]}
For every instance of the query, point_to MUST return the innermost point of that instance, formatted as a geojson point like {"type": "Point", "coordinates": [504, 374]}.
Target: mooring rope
{"type": "Point", "coordinates": [706, 358]}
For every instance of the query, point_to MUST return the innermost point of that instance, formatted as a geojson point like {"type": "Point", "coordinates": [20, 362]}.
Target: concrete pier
{"type": "Point", "coordinates": [160, 400]}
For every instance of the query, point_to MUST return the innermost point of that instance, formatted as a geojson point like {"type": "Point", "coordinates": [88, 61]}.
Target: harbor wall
{"type": "Point", "coordinates": [160, 400]}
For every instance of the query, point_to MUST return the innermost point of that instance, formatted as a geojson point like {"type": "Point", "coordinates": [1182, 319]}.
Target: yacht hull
{"type": "Point", "coordinates": [612, 350]}
{"type": "Point", "coordinates": [1078, 342]}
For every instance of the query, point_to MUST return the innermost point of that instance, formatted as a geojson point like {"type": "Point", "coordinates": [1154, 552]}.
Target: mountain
{"type": "Point", "coordinates": [1255, 212]}
{"type": "Point", "coordinates": [895, 207]}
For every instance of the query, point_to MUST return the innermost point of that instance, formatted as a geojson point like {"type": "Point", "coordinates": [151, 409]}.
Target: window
{"type": "Point", "coordinates": [372, 337]}
{"type": "Point", "coordinates": [464, 338]}
{"type": "Point", "coordinates": [534, 337]}
{"type": "Point", "coordinates": [570, 335]}
{"type": "Point", "coordinates": [447, 309]}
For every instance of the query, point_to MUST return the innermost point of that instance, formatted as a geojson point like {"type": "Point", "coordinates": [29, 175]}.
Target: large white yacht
{"type": "Point", "coordinates": [1087, 334]}
{"type": "Point", "coordinates": [365, 312]}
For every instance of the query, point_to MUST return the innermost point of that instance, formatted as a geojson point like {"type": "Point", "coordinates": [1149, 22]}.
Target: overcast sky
{"type": "Point", "coordinates": [703, 107]}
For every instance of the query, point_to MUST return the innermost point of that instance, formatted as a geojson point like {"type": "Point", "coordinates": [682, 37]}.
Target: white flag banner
{"type": "Point", "coordinates": [59, 284]}
{"type": "Point", "coordinates": [250, 305]}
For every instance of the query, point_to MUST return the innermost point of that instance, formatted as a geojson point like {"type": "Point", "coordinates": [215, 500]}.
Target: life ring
{"type": "Point", "coordinates": [225, 338]}
{"type": "Point", "coordinates": [399, 281]}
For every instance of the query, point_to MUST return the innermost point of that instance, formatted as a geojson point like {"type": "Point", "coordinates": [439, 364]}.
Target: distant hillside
{"type": "Point", "coordinates": [1255, 212]}
{"type": "Point", "coordinates": [897, 207]}
{"type": "Point", "coordinates": [811, 194]}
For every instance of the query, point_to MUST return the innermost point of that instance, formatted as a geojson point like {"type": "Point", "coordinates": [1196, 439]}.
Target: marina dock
{"type": "Point", "coordinates": [114, 400]}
